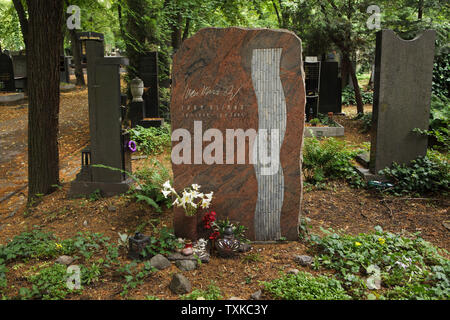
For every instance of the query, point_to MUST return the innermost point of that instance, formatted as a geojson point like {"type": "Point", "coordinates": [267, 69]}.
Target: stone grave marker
{"type": "Point", "coordinates": [20, 71]}
{"type": "Point", "coordinates": [330, 88]}
{"type": "Point", "coordinates": [402, 94]}
{"type": "Point", "coordinates": [237, 108]}
{"type": "Point", "coordinates": [6, 74]}
{"type": "Point", "coordinates": [107, 141]}
{"type": "Point", "coordinates": [148, 72]}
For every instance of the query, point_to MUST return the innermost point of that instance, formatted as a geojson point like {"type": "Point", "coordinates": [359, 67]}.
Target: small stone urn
{"type": "Point", "coordinates": [137, 89]}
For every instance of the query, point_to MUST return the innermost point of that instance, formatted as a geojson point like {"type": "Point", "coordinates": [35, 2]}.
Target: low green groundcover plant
{"type": "Point", "coordinates": [304, 286]}
{"type": "Point", "coordinates": [50, 282]}
{"type": "Point", "coordinates": [408, 268]}
{"type": "Point", "coordinates": [151, 141]}
{"type": "Point", "coordinates": [212, 292]}
{"type": "Point", "coordinates": [429, 174]}
{"type": "Point", "coordinates": [329, 159]}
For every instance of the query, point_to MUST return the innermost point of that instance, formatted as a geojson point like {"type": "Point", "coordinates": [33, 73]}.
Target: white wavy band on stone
{"type": "Point", "coordinates": [266, 151]}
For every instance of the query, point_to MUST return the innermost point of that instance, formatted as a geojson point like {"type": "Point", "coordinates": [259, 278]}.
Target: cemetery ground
{"type": "Point", "coordinates": [111, 275]}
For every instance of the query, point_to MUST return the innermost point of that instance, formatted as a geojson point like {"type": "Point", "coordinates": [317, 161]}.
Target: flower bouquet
{"type": "Point", "coordinates": [190, 200]}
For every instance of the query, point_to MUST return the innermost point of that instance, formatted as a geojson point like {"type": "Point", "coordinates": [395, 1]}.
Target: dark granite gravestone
{"type": "Point", "coordinates": [240, 87]}
{"type": "Point", "coordinates": [402, 94]}
{"type": "Point", "coordinates": [83, 37]}
{"type": "Point", "coordinates": [6, 74]}
{"type": "Point", "coordinates": [20, 71]}
{"type": "Point", "coordinates": [107, 141]}
{"type": "Point", "coordinates": [330, 88]}
{"type": "Point", "coordinates": [312, 87]}
{"type": "Point", "coordinates": [64, 72]}
{"type": "Point", "coordinates": [148, 73]}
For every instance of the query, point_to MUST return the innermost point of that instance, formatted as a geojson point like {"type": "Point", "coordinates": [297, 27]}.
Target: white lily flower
{"type": "Point", "coordinates": [209, 195]}
{"type": "Point", "coordinates": [166, 193]}
{"type": "Point", "coordinates": [205, 203]}
{"type": "Point", "coordinates": [195, 186]}
{"type": "Point", "coordinates": [167, 185]}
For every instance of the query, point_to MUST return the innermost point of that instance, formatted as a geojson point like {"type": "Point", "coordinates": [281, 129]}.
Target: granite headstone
{"type": "Point", "coordinates": [402, 95]}
{"type": "Point", "coordinates": [6, 74]}
{"type": "Point", "coordinates": [241, 88]}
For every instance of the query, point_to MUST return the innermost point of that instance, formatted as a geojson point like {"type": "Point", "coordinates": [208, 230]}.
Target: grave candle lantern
{"type": "Point", "coordinates": [137, 244]}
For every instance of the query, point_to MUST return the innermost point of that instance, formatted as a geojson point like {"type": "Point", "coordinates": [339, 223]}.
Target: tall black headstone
{"type": "Point", "coordinates": [148, 72]}
{"type": "Point", "coordinates": [330, 88]}
{"type": "Point", "coordinates": [312, 86]}
{"type": "Point", "coordinates": [6, 74]}
{"type": "Point", "coordinates": [108, 144]}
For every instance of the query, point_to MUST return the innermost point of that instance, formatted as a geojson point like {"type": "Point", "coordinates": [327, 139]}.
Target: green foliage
{"type": "Point", "coordinates": [366, 121]}
{"type": "Point", "coordinates": [151, 178]}
{"type": "Point", "coordinates": [134, 275]}
{"type": "Point", "coordinates": [328, 159]}
{"type": "Point", "coordinates": [400, 260]}
{"type": "Point", "coordinates": [251, 258]}
{"type": "Point", "coordinates": [87, 244]}
{"type": "Point", "coordinates": [94, 196]}
{"type": "Point", "coordinates": [314, 121]}
{"type": "Point", "coordinates": [325, 120]}
{"type": "Point", "coordinates": [163, 241]}
{"type": "Point", "coordinates": [211, 293]}
{"type": "Point", "coordinates": [423, 175]}
{"type": "Point", "coordinates": [149, 183]}
{"type": "Point", "coordinates": [348, 96]}
{"type": "Point", "coordinates": [34, 244]}
{"type": "Point", "coordinates": [440, 121]}
{"type": "Point", "coordinates": [238, 229]}
{"type": "Point", "coordinates": [441, 75]}
{"type": "Point", "coordinates": [153, 140]}
{"type": "Point", "coordinates": [10, 33]}
{"type": "Point", "coordinates": [49, 284]}
{"type": "Point", "coordinates": [304, 286]}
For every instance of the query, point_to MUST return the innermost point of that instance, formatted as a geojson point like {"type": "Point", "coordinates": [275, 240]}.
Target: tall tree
{"type": "Point", "coordinates": [43, 37]}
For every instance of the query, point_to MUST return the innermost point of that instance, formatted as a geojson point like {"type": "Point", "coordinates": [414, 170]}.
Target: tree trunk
{"type": "Point", "coordinates": [420, 10]}
{"type": "Point", "coordinates": [352, 71]}
{"type": "Point", "coordinates": [43, 56]}
{"type": "Point", "coordinates": [76, 51]}
{"type": "Point", "coordinates": [176, 33]}
{"type": "Point", "coordinates": [186, 29]}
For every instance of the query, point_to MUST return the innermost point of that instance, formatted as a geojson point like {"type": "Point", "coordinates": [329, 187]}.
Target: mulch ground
{"type": "Point", "coordinates": [338, 207]}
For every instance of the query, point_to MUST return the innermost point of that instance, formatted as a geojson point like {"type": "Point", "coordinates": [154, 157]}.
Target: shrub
{"type": "Point", "coordinates": [304, 286]}
{"type": "Point", "coordinates": [329, 159]}
{"type": "Point", "coordinates": [348, 96]}
{"type": "Point", "coordinates": [151, 140]}
{"type": "Point", "coordinates": [423, 175]}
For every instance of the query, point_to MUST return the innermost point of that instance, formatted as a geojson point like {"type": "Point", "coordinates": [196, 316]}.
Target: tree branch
{"type": "Point", "coordinates": [22, 19]}
{"type": "Point", "coordinates": [278, 13]}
